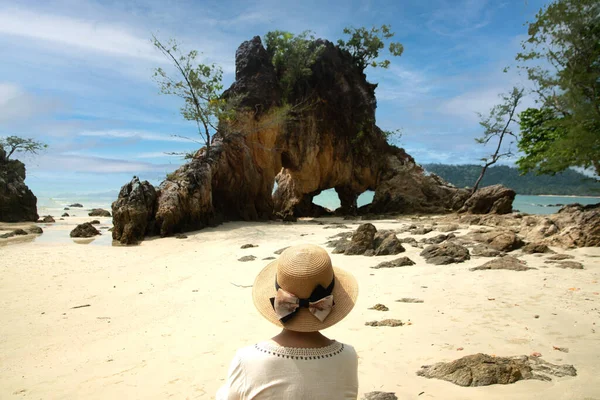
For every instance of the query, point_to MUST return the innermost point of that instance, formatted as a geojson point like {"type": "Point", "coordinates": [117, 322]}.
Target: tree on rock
{"type": "Point", "coordinates": [562, 58]}
{"type": "Point", "coordinates": [15, 144]}
{"type": "Point", "coordinates": [365, 44]}
{"type": "Point", "coordinates": [498, 124]}
{"type": "Point", "coordinates": [200, 87]}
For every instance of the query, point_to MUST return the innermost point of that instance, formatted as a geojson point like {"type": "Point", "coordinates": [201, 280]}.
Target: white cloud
{"type": "Point", "coordinates": [401, 83]}
{"type": "Point", "coordinates": [60, 163]}
{"type": "Point", "coordinates": [84, 34]}
{"type": "Point", "coordinates": [17, 104]}
{"type": "Point", "coordinates": [455, 18]}
{"type": "Point", "coordinates": [134, 134]}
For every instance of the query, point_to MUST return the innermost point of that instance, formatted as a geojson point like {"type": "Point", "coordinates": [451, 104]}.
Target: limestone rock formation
{"type": "Point", "coordinates": [327, 139]}
{"type": "Point", "coordinates": [495, 199]}
{"type": "Point", "coordinates": [483, 370]}
{"type": "Point", "coordinates": [17, 202]}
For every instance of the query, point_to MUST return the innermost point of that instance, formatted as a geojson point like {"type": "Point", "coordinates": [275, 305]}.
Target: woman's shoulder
{"type": "Point", "coordinates": [271, 349]}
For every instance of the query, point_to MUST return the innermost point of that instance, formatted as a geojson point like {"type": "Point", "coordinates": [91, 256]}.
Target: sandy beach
{"type": "Point", "coordinates": [163, 319]}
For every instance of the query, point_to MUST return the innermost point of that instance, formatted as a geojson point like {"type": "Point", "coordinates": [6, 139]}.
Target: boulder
{"type": "Point", "coordinates": [437, 239]}
{"type": "Point", "coordinates": [482, 250]}
{"type": "Point", "coordinates": [65, 215]}
{"type": "Point", "coordinates": [483, 370]}
{"type": "Point", "coordinates": [500, 240]}
{"type": "Point", "coordinates": [35, 229]}
{"type": "Point", "coordinates": [47, 219]}
{"type": "Point", "coordinates": [362, 240]}
{"type": "Point", "coordinates": [134, 212]}
{"type": "Point", "coordinates": [409, 240]}
{"type": "Point", "coordinates": [506, 262]}
{"type": "Point", "coordinates": [98, 212]}
{"type": "Point", "coordinates": [533, 248]}
{"type": "Point", "coordinates": [389, 246]}
{"type": "Point", "coordinates": [568, 264]}
{"type": "Point", "coordinates": [95, 222]}
{"type": "Point", "coordinates": [445, 253]}
{"type": "Point", "coordinates": [495, 199]}
{"type": "Point", "coordinates": [17, 202]}
{"type": "Point", "coordinates": [398, 262]}
{"type": "Point", "coordinates": [84, 230]}
{"type": "Point", "coordinates": [380, 396]}
{"type": "Point", "coordinates": [77, 205]}
{"type": "Point", "coordinates": [20, 232]}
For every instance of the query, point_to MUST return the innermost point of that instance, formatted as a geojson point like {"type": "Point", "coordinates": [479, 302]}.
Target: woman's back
{"type": "Point", "coordinates": [270, 371]}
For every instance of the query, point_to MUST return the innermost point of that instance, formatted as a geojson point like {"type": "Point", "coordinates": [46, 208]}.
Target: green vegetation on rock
{"type": "Point", "coordinates": [569, 182]}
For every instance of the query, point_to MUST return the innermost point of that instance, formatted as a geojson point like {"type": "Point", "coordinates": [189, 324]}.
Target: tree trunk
{"type": "Point", "coordinates": [485, 167]}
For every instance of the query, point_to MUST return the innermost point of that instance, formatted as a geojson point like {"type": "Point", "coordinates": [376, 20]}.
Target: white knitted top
{"type": "Point", "coordinates": [269, 371]}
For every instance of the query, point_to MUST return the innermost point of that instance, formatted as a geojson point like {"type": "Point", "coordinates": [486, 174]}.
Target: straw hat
{"type": "Point", "coordinates": [299, 270]}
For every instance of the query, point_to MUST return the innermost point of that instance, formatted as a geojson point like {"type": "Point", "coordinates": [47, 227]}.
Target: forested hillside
{"type": "Point", "coordinates": [567, 183]}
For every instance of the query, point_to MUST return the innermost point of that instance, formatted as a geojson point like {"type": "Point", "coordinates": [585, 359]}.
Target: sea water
{"type": "Point", "coordinates": [523, 203]}
{"type": "Point", "coordinates": [327, 198]}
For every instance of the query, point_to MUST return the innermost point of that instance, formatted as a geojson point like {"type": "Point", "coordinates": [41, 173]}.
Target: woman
{"type": "Point", "coordinates": [302, 293]}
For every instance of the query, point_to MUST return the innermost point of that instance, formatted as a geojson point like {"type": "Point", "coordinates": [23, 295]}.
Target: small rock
{"type": "Point", "coordinates": [84, 230]}
{"type": "Point", "coordinates": [559, 257]}
{"type": "Point", "coordinates": [66, 208]}
{"type": "Point", "coordinates": [181, 236]}
{"type": "Point", "coordinates": [483, 370]}
{"type": "Point", "coordinates": [7, 235]}
{"type": "Point", "coordinates": [409, 300]}
{"type": "Point", "coordinates": [410, 240]}
{"type": "Point", "coordinates": [563, 349]}
{"type": "Point", "coordinates": [568, 264]}
{"type": "Point", "coordinates": [98, 212]}
{"type": "Point", "coordinates": [481, 250]}
{"type": "Point", "coordinates": [536, 316]}
{"type": "Point", "coordinates": [533, 248]}
{"type": "Point", "coordinates": [445, 253]}
{"type": "Point", "coordinates": [386, 322]}
{"type": "Point", "coordinates": [420, 231]}
{"type": "Point", "coordinates": [247, 258]}
{"type": "Point", "coordinates": [65, 215]}
{"type": "Point", "coordinates": [379, 396]}
{"type": "Point", "coordinates": [19, 232]}
{"type": "Point", "coordinates": [506, 262]}
{"type": "Point", "coordinates": [76, 205]}
{"type": "Point", "coordinates": [448, 228]}
{"type": "Point", "coordinates": [281, 250]}
{"type": "Point", "coordinates": [269, 258]}
{"type": "Point", "coordinates": [47, 219]}
{"type": "Point", "coordinates": [379, 307]}
{"type": "Point", "coordinates": [399, 262]}
{"type": "Point", "coordinates": [35, 229]}
{"type": "Point", "coordinates": [248, 246]}
{"type": "Point", "coordinates": [389, 246]}
{"type": "Point", "coordinates": [95, 222]}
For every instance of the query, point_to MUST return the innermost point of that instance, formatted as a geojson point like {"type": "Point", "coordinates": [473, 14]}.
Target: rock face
{"type": "Point", "coordinates": [17, 202]}
{"type": "Point", "coordinates": [483, 370]}
{"type": "Point", "coordinates": [327, 139]}
{"type": "Point", "coordinates": [495, 199]}
{"type": "Point", "coordinates": [445, 253]}
{"type": "Point", "coordinates": [84, 230]}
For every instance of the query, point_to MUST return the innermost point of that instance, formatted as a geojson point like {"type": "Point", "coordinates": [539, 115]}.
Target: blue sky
{"type": "Point", "coordinates": [76, 74]}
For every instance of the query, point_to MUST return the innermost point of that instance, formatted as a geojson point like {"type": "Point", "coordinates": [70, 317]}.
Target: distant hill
{"type": "Point", "coordinates": [567, 183]}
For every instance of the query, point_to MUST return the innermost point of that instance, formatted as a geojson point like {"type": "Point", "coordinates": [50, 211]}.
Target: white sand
{"type": "Point", "coordinates": [165, 317]}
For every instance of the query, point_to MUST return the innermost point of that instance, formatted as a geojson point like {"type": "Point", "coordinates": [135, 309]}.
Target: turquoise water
{"type": "Point", "coordinates": [523, 203]}
{"type": "Point", "coordinates": [329, 199]}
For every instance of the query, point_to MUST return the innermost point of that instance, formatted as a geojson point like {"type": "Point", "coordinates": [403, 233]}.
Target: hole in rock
{"type": "Point", "coordinates": [328, 199]}
{"type": "Point", "coordinates": [365, 198]}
